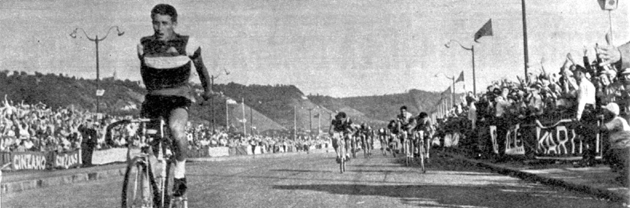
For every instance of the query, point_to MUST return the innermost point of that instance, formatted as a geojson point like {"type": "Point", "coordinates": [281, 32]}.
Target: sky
{"type": "Point", "coordinates": [339, 48]}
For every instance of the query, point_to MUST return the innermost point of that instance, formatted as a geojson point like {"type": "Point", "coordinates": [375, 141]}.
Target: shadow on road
{"type": "Point", "coordinates": [452, 195]}
{"type": "Point", "coordinates": [303, 171]}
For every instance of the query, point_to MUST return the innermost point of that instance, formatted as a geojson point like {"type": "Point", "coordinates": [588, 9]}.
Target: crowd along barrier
{"type": "Point", "coordinates": [557, 141]}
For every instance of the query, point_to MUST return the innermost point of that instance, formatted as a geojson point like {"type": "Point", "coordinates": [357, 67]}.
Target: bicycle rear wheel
{"type": "Point", "coordinates": [407, 151]}
{"type": "Point", "coordinates": [354, 148]}
{"type": "Point", "coordinates": [342, 158]}
{"type": "Point", "coordinates": [139, 187]}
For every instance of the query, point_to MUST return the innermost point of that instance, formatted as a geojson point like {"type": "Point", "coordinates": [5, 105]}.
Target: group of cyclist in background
{"type": "Point", "coordinates": [415, 131]}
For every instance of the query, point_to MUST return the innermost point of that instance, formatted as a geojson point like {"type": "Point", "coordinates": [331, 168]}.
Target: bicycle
{"type": "Point", "coordinates": [341, 151]}
{"type": "Point", "coordinates": [141, 186]}
{"type": "Point", "coordinates": [366, 146]}
{"type": "Point", "coordinates": [407, 148]}
{"type": "Point", "coordinates": [353, 146]}
{"type": "Point", "coordinates": [422, 150]}
{"type": "Point", "coordinates": [382, 141]}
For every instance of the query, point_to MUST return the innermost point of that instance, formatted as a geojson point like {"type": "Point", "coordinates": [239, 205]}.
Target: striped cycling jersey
{"type": "Point", "coordinates": [166, 66]}
{"type": "Point", "coordinates": [341, 125]}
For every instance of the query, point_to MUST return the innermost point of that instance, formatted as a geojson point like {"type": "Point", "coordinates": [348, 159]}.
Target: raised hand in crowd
{"type": "Point", "coordinates": [609, 54]}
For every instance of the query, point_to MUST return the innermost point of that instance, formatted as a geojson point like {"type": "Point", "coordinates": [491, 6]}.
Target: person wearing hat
{"type": "Point", "coordinates": [586, 113]}
{"type": "Point", "coordinates": [618, 152]}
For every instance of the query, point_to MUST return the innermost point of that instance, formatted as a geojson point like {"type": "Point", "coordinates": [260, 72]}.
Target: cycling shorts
{"type": "Point", "coordinates": [336, 137]}
{"type": "Point", "coordinates": [155, 106]}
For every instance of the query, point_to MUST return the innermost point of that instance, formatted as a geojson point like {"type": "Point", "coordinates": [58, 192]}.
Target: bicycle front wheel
{"type": "Point", "coordinates": [139, 185]}
{"type": "Point", "coordinates": [421, 152]}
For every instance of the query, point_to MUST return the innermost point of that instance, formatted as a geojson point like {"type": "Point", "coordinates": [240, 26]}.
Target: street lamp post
{"type": "Point", "coordinates": [294, 123]}
{"type": "Point", "coordinates": [319, 121]}
{"type": "Point", "coordinates": [96, 40]}
{"type": "Point", "coordinates": [471, 49]}
{"type": "Point", "coordinates": [310, 120]}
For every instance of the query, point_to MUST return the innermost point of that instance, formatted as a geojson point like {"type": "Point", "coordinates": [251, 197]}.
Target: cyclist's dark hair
{"type": "Point", "coordinates": [403, 107]}
{"type": "Point", "coordinates": [423, 115]}
{"type": "Point", "coordinates": [341, 115]}
{"type": "Point", "coordinates": [165, 9]}
{"type": "Point", "coordinates": [391, 124]}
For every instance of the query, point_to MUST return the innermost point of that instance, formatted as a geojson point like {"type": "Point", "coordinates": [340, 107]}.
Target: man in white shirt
{"type": "Point", "coordinates": [586, 93]}
{"type": "Point", "coordinates": [586, 113]}
{"type": "Point", "coordinates": [500, 119]}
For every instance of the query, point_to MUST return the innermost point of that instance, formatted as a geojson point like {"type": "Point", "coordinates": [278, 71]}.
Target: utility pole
{"type": "Point", "coordinates": [244, 119]}
{"type": "Point", "coordinates": [294, 123]}
{"type": "Point", "coordinates": [525, 38]}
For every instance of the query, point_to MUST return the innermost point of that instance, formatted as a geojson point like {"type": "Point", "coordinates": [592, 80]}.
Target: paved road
{"type": "Point", "coordinates": [314, 181]}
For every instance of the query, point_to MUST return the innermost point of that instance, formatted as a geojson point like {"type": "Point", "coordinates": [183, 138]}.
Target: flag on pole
{"type": "Point", "coordinates": [486, 30]}
{"type": "Point", "coordinates": [447, 91]}
{"type": "Point", "coordinates": [230, 101]}
{"type": "Point", "coordinates": [460, 78]}
{"type": "Point", "coordinates": [608, 4]}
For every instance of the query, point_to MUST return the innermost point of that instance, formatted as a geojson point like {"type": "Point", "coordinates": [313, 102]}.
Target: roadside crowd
{"type": "Point", "coordinates": [580, 93]}
{"type": "Point", "coordinates": [27, 127]}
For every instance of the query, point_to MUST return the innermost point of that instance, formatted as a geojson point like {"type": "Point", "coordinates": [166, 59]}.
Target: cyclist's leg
{"type": "Point", "coordinates": [346, 142]}
{"type": "Point", "coordinates": [177, 123]}
{"type": "Point", "coordinates": [336, 140]}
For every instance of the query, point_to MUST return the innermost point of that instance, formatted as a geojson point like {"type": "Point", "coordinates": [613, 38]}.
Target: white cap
{"type": "Point", "coordinates": [613, 108]}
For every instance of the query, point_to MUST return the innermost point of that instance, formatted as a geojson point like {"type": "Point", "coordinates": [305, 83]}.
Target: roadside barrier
{"type": "Point", "coordinates": [549, 140]}
{"type": "Point", "coordinates": [72, 159]}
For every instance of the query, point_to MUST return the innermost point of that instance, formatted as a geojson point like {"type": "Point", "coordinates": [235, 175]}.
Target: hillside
{"type": "Point", "coordinates": [383, 107]}
{"type": "Point", "coordinates": [120, 97]}
{"type": "Point", "coordinates": [272, 107]}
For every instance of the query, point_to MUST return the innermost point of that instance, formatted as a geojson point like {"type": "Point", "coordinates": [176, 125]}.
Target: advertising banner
{"type": "Point", "coordinates": [561, 142]}
{"type": "Point", "coordinates": [218, 151]}
{"type": "Point", "coordinates": [67, 159]}
{"type": "Point", "coordinates": [28, 160]}
{"type": "Point", "coordinates": [557, 141]}
{"type": "Point", "coordinates": [112, 155]}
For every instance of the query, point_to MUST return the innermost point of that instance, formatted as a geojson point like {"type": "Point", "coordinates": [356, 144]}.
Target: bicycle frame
{"type": "Point", "coordinates": [160, 180]}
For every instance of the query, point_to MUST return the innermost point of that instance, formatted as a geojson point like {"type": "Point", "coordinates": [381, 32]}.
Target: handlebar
{"type": "Point", "coordinates": [215, 95]}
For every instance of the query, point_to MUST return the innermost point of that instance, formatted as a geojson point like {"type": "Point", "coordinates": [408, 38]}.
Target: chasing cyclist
{"type": "Point", "coordinates": [392, 134]}
{"type": "Point", "coordinates": [425, 125]}
{"type": "Point", "coordinates": [341, 128]}
{"type": "Point", "coordinates": [166, 60]}
{"type": "Point", "coordinates": [382, 138]}
{"type": "Point", "coordinates": [367, 139]}
{"type": "Point", "coordinates": [407, 123]}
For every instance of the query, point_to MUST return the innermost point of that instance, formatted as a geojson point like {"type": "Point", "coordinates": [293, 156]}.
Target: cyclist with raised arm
{"type": "Point", "coordinates": [166, 60]}
{"type": "Point", "coordinates": [341, 128]}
